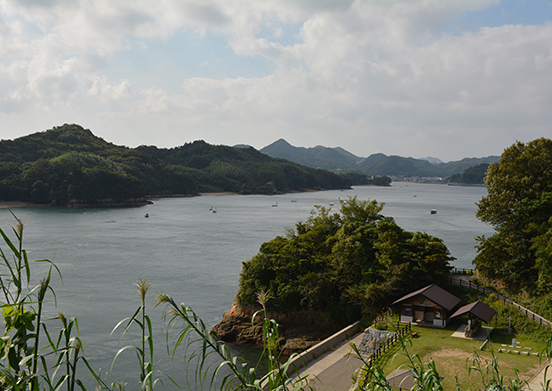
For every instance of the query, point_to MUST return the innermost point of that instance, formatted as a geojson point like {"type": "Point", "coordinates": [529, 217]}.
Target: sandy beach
{"type": "Point", "coordinates": [216, 194]}
{"type": "Point", "coordinates": [17, 204]}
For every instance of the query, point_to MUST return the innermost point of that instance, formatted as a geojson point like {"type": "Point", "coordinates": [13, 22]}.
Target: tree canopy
{"type": "Point", "coordinates": [519, 206]}
{"type": "Point", "coordinates": [344, 264]}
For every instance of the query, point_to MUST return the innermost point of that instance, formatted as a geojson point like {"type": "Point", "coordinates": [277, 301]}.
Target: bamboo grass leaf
{"type": "Point", "coordinates": [26, 263]}
{"type": "Point", "coordinates": [10, 244]}
{"type": "Point", "coordinates": [117, 326]}
{"type": "Point", "coordinates": [53, 265]}
{"type": "Point", "coordinates": [119, 353]}
{"type": "Point", "coordinates": [81, 385]}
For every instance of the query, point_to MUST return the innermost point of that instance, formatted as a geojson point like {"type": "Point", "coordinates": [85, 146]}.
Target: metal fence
{"type": "Point", "coordinates": [386, 345]}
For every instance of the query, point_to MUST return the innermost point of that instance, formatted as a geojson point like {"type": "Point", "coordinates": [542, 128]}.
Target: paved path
{"type": "Point", "coordinates": [536, 383]}
{"type": "Point", "coordinates": [333, 370]}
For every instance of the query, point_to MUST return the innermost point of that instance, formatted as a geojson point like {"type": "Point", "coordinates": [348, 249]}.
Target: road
{"type": "Point", "coordinates": [333, 371]}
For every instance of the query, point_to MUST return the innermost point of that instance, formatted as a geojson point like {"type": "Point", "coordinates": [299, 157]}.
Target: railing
{"type": "Point", "coordinates": [386, 345]}
{"type": "Point", "coordinates": [530, 314]}
{"type": "Point", "coordinates": [463, 271]}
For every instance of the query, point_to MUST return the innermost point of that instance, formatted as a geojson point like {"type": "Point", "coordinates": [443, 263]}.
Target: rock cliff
{"type": "Point", "coordinates": [298, 330]}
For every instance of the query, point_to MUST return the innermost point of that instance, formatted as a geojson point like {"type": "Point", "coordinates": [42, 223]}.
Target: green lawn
{"type": "Point", "coordinates": [453, 355]}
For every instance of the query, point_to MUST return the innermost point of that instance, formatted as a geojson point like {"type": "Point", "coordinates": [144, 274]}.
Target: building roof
{"type": "Point", "coordinates": [435, 294]}
{"type": "Point", "coordinates": [478, 309]}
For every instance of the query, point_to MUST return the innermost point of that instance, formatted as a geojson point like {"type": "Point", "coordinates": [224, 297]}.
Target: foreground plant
{"type": "Point", "coordinates": [200, 343]}
{"type": "Point", "coordinates": [23, 364]}
{"type": "Point", "coordinates": [425, 376]}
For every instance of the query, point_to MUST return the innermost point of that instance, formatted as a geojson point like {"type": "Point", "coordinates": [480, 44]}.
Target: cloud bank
{"type": "Point", "coordinates": [395, 77]}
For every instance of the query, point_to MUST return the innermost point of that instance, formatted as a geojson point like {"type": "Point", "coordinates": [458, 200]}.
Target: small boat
{"type": "Point", "coordinates": [433, 211]}
{"type": "Point", "coordinates": [146, 215]}
{"type": "Point", "coordinates": [331, 204]}
{"type": "Point", "coordinates": [275, 205]}
{"type": "Point", "coordinates": [211, 208]}
{"type": "Point", "coordinates": [293, 200]}
{"type": "Point", "coordinates": [214, 210]}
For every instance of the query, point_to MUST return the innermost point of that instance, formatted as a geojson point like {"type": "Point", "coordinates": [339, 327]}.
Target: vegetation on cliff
{"type": "Point", "coordinates": [344, 264]}
{"type": "Point", "coordinates": [68, 163]}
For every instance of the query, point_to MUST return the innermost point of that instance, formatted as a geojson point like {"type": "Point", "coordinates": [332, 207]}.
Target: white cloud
{"type": "Point", "coordinates": [371, 76]}
{"type": "Point", "coordinates": [108, 92]}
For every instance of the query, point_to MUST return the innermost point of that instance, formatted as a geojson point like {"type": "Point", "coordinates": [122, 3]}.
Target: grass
{"type": "Point", "coordinates": [453, 356]}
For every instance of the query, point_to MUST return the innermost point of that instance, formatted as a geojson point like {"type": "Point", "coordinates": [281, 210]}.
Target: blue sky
{"type": "Point", "coordinates": [451, 79]}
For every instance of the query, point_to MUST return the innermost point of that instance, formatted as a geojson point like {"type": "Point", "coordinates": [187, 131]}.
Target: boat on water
{"type": "Point", "coordinates": [275, 204]}
{"type": "Point", "coordinates": [214, 210]}
{"type": "Point", "coordinates": [146, 215]}
{"type": "Point", "coordinates": [433, 211]}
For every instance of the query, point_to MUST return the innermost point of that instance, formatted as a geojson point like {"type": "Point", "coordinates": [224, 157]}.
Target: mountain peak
{"type": "Point", "coordinates": [280, 142]}
{"type": "Point", "coordinates": [432, 160]}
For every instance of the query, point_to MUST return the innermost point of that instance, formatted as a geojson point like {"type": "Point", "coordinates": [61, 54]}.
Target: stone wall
{"type": "Point", "coordinates": [373, 339]}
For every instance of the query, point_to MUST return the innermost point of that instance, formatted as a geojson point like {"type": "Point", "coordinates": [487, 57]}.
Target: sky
{"type": "Point", "coordinates": [442, 78]}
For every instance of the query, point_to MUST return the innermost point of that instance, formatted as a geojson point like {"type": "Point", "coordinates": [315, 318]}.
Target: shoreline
{"type": "Point", "coordinates": [23, 204]}
{"type": "Point", "coordinates": [20, 204]}
{"type": "Point", "coordinates": [219, 194]}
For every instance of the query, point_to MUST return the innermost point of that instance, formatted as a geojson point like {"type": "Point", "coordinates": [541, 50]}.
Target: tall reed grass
{"type": "Point", "coordinates": [31, 358]}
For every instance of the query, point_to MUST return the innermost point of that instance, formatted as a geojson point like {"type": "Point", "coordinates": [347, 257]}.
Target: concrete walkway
{"type": "Point", "coordinates": [536, 383]}
{"type": "Point", "coordinates": [333, 370]}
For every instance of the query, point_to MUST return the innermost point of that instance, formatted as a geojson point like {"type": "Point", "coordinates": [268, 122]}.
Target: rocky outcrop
{"type": "Point", "coordinates": [298, 330]}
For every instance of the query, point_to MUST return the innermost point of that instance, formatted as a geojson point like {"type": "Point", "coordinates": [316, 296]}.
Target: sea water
{"type": "Point", "coordinates": [189, 252]}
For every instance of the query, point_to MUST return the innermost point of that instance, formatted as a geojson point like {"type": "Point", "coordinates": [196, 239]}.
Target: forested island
{"type": "Point", "coordinates": [336, 268]}
{"type": "Point", "coordinates": [69, 166]}
{"type": "Point", "coordinates": [332, 269]}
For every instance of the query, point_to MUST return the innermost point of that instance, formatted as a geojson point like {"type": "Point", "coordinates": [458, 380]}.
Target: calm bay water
{"type": "Point", "coordinates": [195, 256]}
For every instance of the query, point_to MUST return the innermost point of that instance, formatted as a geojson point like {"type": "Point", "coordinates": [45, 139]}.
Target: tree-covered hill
{"type": "Point", "coordinates": [460, 166]}
{"type": "Point", "coordinates": [474, 175]}
{"type": "Point", "coordinates": [316, 157]}
{"type": "Point", "coordinates": [345, 264]}
{"type": "Point", "coordinates": [68, 165]}
{"type": "Point", "coordinates": [336, 268]}
{"type": "Point", "coordinates": [400, 167]}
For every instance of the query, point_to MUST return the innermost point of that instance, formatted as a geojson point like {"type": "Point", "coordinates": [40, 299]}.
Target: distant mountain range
{"type": "Point", "coordinates": [338, 159]}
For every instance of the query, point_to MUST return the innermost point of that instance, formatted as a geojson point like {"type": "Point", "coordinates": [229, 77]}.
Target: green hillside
{"type": "Point", "coordinates": [68, 165]}
{"type": "Point", "coordinates": [401, 167]}
{"type": "Point", "coordinates": [316, 157]}
{"type": "Point", "coordinates": [338, 159]}
{"type": "Point", "coordinates": [474, 175]}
